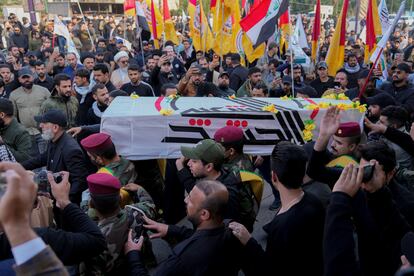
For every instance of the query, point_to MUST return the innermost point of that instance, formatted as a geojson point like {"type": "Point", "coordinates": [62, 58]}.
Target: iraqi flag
{"type": "Point", "coordinates": [260, 23]}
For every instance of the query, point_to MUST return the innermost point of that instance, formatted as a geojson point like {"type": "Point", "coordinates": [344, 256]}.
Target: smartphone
{"type": "Point", "coordinates": [278, 74]}
{"type": "Point", "coordinates": [136, 222]}
{"type": "Point", "coordinates": [368, 173]}
{"type": "Point", "coordinates": [337, 84]}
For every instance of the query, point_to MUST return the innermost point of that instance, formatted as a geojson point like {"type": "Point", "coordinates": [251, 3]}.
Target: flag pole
{"type": "Point", "coordinates": [369, 74]}
{"type": "Point", "coordinates": [291, 54]}
{"type": "Point", "coordinates": [221, 31]}
{"type": "Point", "coordinates": [87, 27]}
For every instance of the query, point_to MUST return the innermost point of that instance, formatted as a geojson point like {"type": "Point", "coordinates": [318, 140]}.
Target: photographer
{"type": "Point", "coordinates": [373, 211]}
{"type": "Point", "coordinates": [30, 252]}
{"type": "Point", "coordinates": [79, 238]}
{"type": "Point", "coordinates": [209, 250]}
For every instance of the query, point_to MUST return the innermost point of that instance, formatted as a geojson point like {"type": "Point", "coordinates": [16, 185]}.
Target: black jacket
{"type": "Point", "coordinates": [78, 240]}
{"type": "Point", "coordinates": [203, 252]}
{"type": "Point", "coordinates": [295, 234]}
{"type": "Point", "coordinates": [318, 171]}
{"type": "Point", "coordinates": [238, 76]}
{"type": "Point", "coordinates": [159, 78]}
{"type": "Point", "coordinates": [404, 95]}
{"type": "Point", "coordinates": [64, 155]}
{"type": "Point", "coordinates": [379, 227]}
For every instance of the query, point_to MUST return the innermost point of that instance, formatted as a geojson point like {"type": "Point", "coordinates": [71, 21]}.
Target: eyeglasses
{"type": "Point", "coordinates": [125, 62]}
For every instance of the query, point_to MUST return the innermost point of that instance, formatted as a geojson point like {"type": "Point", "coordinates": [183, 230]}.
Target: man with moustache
{"type": "Point", "coordinates": [209, 249]}
{"type": "Point", "coordinates": [9, 79]}
{"type": "Point", "coordinates": [63, 153]}
{"type": "Point", "coordinates": [101, 96]}
{"type": "Point", "coordinates": [13, 134]}
{"type": "Point", "coordinates": [400, 89]}
{"type": "Point", "coordinates": [223, 85]}
{"type": "Point", "coordinates": [62, 99]}
{"type": "Point", "coordinates": [136, 85]}
{"type": "Point", "coordinates": [27, 101]}
{"type": "Point", "coordinates": [43, 79]}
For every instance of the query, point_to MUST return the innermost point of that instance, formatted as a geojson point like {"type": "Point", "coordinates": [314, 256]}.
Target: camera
{"type": "Point", "coordinates": [40, 178]}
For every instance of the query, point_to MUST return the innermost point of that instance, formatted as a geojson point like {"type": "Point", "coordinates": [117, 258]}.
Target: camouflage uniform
{"type": "Point", "coordinates": [124, 170]}
{"type": "Point", "coordinates": [248, 211]}
{"type": "Point", "coordinates": [241, 162]}
{"type": "Point", "coordinates": [115, 230]}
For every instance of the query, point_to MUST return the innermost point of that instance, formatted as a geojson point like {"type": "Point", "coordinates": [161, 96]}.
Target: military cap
{"type": "Point", "coordinates": [228, 134]}
{"type": "Point", "coordinates": [103, 184]}
{"type": "Point", "coordinates": [207, 150]}
{"type": "Point", "coordinates": [97, 143]}
{"type": "Point", "coordinates": [349, 129]}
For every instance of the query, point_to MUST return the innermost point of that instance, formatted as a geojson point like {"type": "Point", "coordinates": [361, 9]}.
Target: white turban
{"type": "Point", "coordinates": [120, 55]}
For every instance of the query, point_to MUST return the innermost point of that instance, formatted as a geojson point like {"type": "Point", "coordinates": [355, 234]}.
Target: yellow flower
{"type": "Point", "coordinates": [134, 96]}
{"type": "Point", "coordinates": [270, 108]}
{"type": "Point", "coordinates": [312, 106]}
{"type": "Point", "coordinates": [166, 111]}
{"type": "Point", "coordinates": [284, 98]}
{"type": "Point", "coordinates": [232, 96]}
{"type": "Point", "coordinates": [310, 127]}
{"type": "Point", "coordinates": [307, 135]}
{"type": "Point", "coordinates": [362, 108]}
{"type": "Point", "coordinates": [173, 96]}
{"type": "Point", "coordinates": [342, 106]}
{"type": "Point", "coordinates": [324, 105]}
{"type": "Point", "coordinates": [342, 96]}
{"type": "Point", "coordinates": [330, 96]}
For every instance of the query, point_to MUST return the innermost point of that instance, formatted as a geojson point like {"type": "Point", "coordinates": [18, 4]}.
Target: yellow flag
{"type": "Point", "coordinates": [200, 31]}
{"type": "Point", "coordinates": [170, 33]}
{"type": "Point", "coordinates": [146, 6]}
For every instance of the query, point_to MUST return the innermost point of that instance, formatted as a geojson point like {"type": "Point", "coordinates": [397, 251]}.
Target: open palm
{"type": "Point", "coordinates": [330, 121]}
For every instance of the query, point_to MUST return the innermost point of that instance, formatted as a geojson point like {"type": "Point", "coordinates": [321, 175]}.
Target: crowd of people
{"type": "Point", "coordinates": [72, 205]}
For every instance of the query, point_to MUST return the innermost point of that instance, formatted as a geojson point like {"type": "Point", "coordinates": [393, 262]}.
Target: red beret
{"type": "Point", "coordinates": [228, 134]}
{"type": "Point", "coordinates": [97, 143]}
{"type": "Point", "coordinates": [349, 129]}
{"type": "Point", "coordinates": [103, 184]}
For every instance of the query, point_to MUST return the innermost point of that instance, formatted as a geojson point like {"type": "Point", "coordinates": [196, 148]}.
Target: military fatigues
{"type": "Point", "coordinates": [115, 229]}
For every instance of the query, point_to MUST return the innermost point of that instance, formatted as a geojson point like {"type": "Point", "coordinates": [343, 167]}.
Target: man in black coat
{"type": "Point", "coordinates": [297, 228]}
{"type": "Point", "coordinates": [238, 75]}
{"type": "Point", "coordinates": [400, 89]}
{"type": "Point", "coordinates": [63, 153]}
{"type": "Point", "coordinates": [209, 250]}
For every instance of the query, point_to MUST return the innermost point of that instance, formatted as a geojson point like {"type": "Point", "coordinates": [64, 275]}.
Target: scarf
{"type": "Point", "coordinates": [96, 110]}
{"type": "Point", "coordinates": [352, 70]}
{"type": "Point", "coordinates": [83, 91]}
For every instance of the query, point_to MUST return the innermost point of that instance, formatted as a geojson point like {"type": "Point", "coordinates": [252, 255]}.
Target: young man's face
{"type": "Point", "coordinates": [102, 96]}
{"type": "Point", "coordinates": [100, 77]}
{"type": "Point", "coordinates": [197, 168]}
{"type": "Point", "coordinates": [134, 76]}
{"type": "Point", "coordinates": [5, 74]}
{"type": "Point", "coordinates": [374, 111]}
{"type": "Point", "coordinates": [258, 93]}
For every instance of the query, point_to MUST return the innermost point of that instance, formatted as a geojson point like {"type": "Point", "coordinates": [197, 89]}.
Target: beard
{"type": "Point", "coordinates": [2, 123]}
{"type": "Point", "coordinates": [47, 135]}
{"type": "Point", "coordinates": [223, 86]}
{"type": "Point", "coordinates": [195, 221]}
{"type": "Point", "coordinates": [27, 85]}
{"type": "Point", "coordinates": [40, 75]}
{"type": "Point", "coordinates": [397, 81]}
